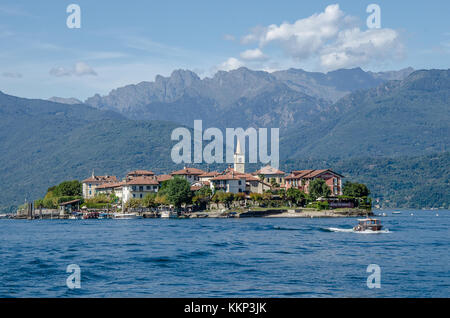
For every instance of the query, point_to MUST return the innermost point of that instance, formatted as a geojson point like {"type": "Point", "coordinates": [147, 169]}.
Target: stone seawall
{"type": "Point", "coordinates": [306, 213]}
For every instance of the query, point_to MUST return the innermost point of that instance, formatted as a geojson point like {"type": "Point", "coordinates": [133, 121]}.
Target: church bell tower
{"type": "Point", "coordinates": [239, 158]}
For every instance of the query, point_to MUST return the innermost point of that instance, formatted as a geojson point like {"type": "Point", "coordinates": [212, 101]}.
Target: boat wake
{"type": "Point", "coordinates": [334, 229]}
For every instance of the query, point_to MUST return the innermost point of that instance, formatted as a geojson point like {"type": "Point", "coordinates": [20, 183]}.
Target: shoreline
{"type": "Point", "coordinates": [291, 213]}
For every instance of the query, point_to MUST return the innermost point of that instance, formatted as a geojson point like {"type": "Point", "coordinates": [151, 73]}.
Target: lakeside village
{"type": "Point", "coordinates": [194, 193]}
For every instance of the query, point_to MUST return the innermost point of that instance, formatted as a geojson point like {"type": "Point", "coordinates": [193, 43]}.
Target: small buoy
{"type": "Point", "coordinates": [412, 213]}
{"type": "Point", "coordinates": [437, 214]}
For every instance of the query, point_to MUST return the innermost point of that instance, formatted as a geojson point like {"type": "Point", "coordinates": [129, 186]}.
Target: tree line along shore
{"type": "Point", "coordinates": [177, 195]}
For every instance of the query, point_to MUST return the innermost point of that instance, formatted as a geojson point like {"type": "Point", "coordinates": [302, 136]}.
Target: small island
{"type": "Point", "coordinates": [194, 193]}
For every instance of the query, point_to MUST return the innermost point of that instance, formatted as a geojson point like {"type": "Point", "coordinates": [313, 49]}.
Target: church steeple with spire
{"type": "Point", "coordinates": [239, 158]}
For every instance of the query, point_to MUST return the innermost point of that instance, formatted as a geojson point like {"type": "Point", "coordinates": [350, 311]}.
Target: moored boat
{"type": "Point", "coordinates": [125, 216]}
{"type": "Point", "coordinates": [168, 215]}
{"type": "Point", "coordinates": [90, 215]}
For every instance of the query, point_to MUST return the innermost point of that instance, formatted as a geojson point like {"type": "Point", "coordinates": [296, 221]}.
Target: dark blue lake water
{"type": "Point", "coordinates": [257, 257]}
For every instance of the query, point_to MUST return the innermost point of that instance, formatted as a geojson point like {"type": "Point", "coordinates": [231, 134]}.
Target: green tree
{"type": "Point", "coordinates": [149, 201]}
{"type": "Point", "coordinates": [204, 192]}
{"type": "Point", "coordinates": [357, 190]}
{"type": "Point", "coordinates": [239, 196]}
{"type": "Point", "coordinates": [69, 188]}
{"type": "Point", "coordinates": [318, 188]}
{"type": "Point", "coordinates": [133, 203]}
{"type": "Point", "coordinates": [226, 198]}
{"type": "Point", "coordinates": [202, 197]}
{"type": "Point", "coordinates": [256, 197]}
{"type": "Point", "coordinates": [296, 196]}
{"type": "Point", "coordinates": [177, 191]}
{"type": "Point", "coordinates": [161, 200]}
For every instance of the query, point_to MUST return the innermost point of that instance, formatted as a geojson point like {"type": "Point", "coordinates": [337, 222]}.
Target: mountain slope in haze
{"type": "Point", "coordinates": [242, 97]}
{"type": "Point", "coordinates": [45, 143]}
{"type": "Point", "coordinates": [183, 96]}
{"type": "Point", "coordinates": [408, 117]}
{"type": "Point", "coordinates": [336, 84]}
{"type": "Point", "coordinates": [61, 100]}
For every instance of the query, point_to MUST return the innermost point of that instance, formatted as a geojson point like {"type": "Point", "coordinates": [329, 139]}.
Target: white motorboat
{"type": "Point", "coordinates": [125, 216]}
{"type": "Point", "coordinates": [168, 215]}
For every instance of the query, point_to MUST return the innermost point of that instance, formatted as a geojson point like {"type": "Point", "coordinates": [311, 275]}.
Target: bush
{"type": "Point", "coordinates": [319, 205]}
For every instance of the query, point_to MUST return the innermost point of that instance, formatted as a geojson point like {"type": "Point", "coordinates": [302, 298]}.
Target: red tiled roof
{"type": "Point", "coordinates": [141, 173]}
{"type": "Point", "coordinates": [228, 176]}
{"type": "Point", "coordinates": [69, 202]}
{"type": "Point", "coordinates": [305, 174]}
{"type": "Point", "coordinates": [249, 177]}
{"type": "Point", "coordinates": [188, 171]}
{"type": "Point", "coordinates": [100, 179]}
{"type": "Point", "coordinates": [142, 181]}
{"type": "Point", "coordinates": [111, 185]}
{"type": "Point", "coordinates": [269, 170]}
{"type": "Point", "coordinates": [301, 173]}
{"type": "Point", "coordinates": [209, 174]}
{"type": "Point", "coordinates": [163, 177]}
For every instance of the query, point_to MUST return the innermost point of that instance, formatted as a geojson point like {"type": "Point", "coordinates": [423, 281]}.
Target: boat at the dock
{"type": "Point", "coordinates": [169, 215]}
{"type": "Point", "coordinates": [76, 216]}
{"type": "Point", "coordinates": [91, 215]}
{"type": "Point", "coordinates": [125, 216]}
{"type": "Point", "coordinates": [368, 224]}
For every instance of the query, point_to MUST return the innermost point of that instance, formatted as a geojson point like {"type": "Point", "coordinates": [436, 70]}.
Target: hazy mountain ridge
{"type": "Point", "coordinates": [185, 92]}
{"type": "Point", "coordinates": [408, 117]}
{"type": "Point", "coordinates": [61, 100]}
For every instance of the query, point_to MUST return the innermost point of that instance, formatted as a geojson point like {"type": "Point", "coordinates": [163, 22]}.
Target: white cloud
{"type": "Point", "coordinates": [230, 64]}
{"type": "Point", "coordinates": [229, 37]}
{"type": "Point", "coordinates": [80, 69]}
{"type": "Point", "coordinates": [60, 72]}
{"type": "Point", "coordinates": [253, 55]}
{"type": "Point", "coordinates": [332, 38]}
{"type": "Point", "coordinates": [355, 48]}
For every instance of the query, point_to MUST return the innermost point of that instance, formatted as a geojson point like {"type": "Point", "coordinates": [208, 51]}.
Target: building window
{"type": "Point", "coordinates": [140, 195]}
{"type": "Point", "coordinates": [134, 195]}
{"type": "Point", "coordinates": [90, 185]}
{"type": "Point", "coordinates": [141, 188]}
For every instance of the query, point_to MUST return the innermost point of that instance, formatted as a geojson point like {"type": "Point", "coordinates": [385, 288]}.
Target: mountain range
{"type": "Point", "coordinates": [325, 119]}
{"type": "Point", "coordinates": [240, 97]}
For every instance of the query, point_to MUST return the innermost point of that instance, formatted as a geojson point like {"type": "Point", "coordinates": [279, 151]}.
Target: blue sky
{"type": "Point", "coordinates": [126, 42]}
